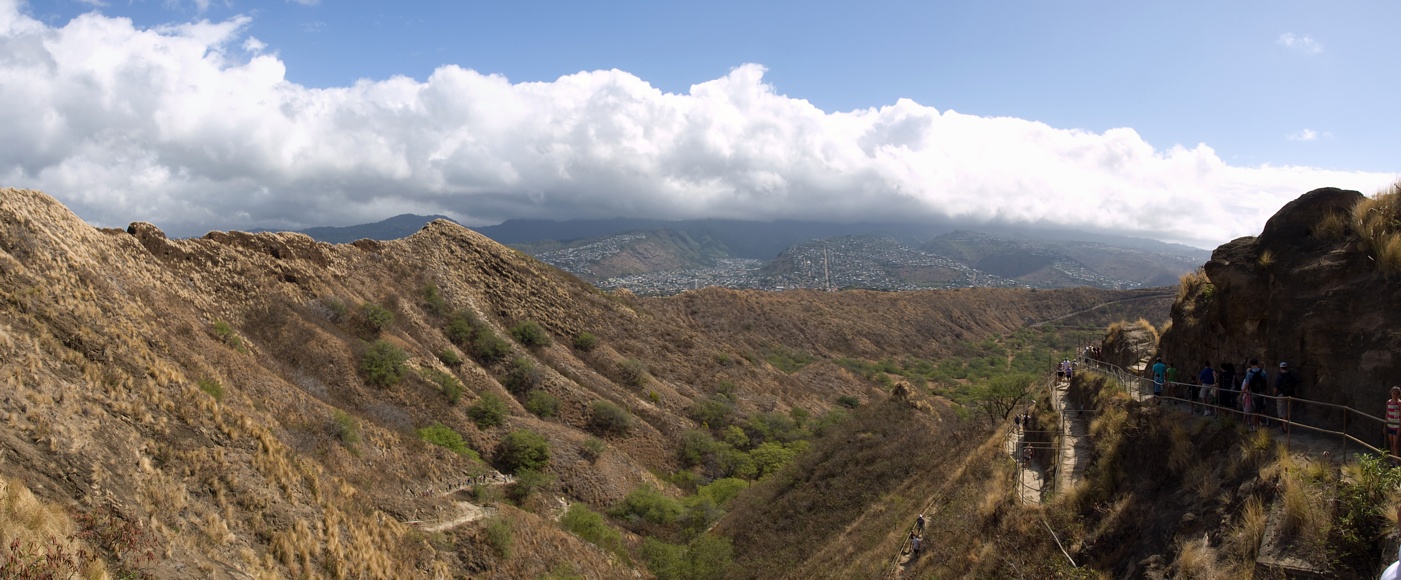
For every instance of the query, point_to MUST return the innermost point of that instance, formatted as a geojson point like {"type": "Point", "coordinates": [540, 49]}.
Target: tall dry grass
{"type": "Point", "coordinates": [41, 529]}
{"type": "Point", "coordinates": [1377, 220]}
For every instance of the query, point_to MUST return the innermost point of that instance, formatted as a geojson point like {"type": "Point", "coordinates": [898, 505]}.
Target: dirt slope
{"type": "Point", "coordinates": [211, 392]}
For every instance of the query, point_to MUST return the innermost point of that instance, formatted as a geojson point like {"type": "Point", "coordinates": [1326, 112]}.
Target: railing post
{"type": "Point", "coordinates": [1345, 414]}
{"type": "Point", "coordinates": [1289, 423]}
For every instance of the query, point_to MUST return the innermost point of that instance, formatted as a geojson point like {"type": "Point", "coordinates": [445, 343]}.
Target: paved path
{"type": "Point", "coordinates": [1075, 447]}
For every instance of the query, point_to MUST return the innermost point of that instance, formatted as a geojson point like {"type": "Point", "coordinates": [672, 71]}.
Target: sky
{"type": "Point", "coordinates": [1189, 122]}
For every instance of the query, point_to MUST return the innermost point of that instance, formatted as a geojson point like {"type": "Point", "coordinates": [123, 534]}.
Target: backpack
{"type": "Point", "coordinates": [1255, 381]}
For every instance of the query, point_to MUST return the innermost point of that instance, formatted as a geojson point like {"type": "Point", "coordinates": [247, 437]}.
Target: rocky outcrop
{"type": "Point", "coordinates": [1301, 294]}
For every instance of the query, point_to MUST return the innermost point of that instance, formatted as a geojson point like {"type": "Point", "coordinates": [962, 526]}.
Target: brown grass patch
{"type": "Point", "coordinates": [1333, 226]}
{"type": "Point", "coordinates": [1377, 220]}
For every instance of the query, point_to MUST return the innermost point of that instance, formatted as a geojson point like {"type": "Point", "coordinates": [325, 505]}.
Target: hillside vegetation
{"type": "Point", "coordinates": [436, 406]}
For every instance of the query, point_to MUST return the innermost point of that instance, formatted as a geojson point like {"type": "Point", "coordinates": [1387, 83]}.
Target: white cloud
{"type": "Point", "coordinates": [1305, 43]}
{"type": "Point", "coordinates": [254, 45]}
{"type": "Point", "coordinates": [163, 125]}
{"type": "Point", "coordinates": [1303, 135]}
{"type": "Point", "coordinates": [304, 2]}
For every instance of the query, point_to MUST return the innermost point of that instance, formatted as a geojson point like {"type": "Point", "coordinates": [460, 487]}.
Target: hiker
{"type": "Point", "coordinates": [1060, 370]}
{"type": "Point", "coordinates": [1393, 421]}
{"type": "Point", "coordinates": [1026, 456]}
{"type": "Point", "coordinates": [1285, 384]}
{"type": "Point", "coordinates": [1226, 392]}
{"type": "Point", "coordinates": [1253, 385]}
{"type": "Point", "coordinates": [915, 545]}
{"type": "Point", "coordinates": [1171, 375]}
{"type": "Point", "coordinates": [1208, 395]}
{"type": "Point", "coordinates": [1159, 377]}
{"type": "Point", "coordinates": [919, 523]}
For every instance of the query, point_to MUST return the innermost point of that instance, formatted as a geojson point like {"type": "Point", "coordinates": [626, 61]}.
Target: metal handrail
{"type": "Point", "coordinates": [1129, 379]}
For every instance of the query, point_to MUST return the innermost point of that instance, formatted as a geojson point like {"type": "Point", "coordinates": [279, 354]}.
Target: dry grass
{"type": "Point", "coordinates": [1333, 226]}
{"type": "Point", "coordinates": [1197, 559]}
{"type": "Point", "coordinates": [1266, 259]}
{"type": "Point", "coordinates": [37, 525]}
{"type": "Point", "coordinates": [1244, 538]}
{"type": "Point", "coordinates": [1377, 220]}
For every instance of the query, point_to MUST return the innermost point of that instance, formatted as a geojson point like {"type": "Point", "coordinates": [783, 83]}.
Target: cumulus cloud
{"type": "Point", "coordinates": [170, 125]}
{"type": "Point", "coordinates": [1305, 43]}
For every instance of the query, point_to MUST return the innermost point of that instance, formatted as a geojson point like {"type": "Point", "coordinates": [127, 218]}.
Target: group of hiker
{"type": "Point", "coordinates": [1249, 393]}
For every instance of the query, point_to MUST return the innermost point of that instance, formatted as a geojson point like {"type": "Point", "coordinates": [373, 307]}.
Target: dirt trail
{"type": "Point", "coordinates": [466, 512]}
{"type": "Point", "coordinates": [1031, 480]}
{"type": "Point", "coordinates": [1075, 447]}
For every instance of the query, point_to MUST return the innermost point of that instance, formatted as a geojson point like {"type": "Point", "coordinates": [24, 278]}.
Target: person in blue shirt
{"type": "Point", "coordinates": [1159, 378]}
{"type": "Point", "coordinates": [1207, 379]}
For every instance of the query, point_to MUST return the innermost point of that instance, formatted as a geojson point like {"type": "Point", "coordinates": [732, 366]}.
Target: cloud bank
{"type": "Point", "coordinates": [195, 127]}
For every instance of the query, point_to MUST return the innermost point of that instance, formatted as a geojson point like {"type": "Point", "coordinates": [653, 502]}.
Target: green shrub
{"type": "Point", "coordinates": [666, 561]}
{"type": "Point", "coordinates": [228, 335]}
{"type": "Point", "coordinates": [462, 327]}
{"type": "Point", "coordinates": [542, 404]}
{"type": "Point", "coordinates": [713, 411]}
{"type": "Point", "coordinates": [585, 342]}
{"type": "Point", "coordinates": [444, 436]}
{"type": "Point", "coordinates": [529, 334]}
{"type": "Point", "coordinates": [336, 307]}
{"type": "Point", "coordinates": [723, 490]}
{"type": "Point", "coordinates": [605, 417]}
{"type": "Point", "coordinates": [849, 401]}
{"type": "Point", "coordinates": [708, 557]}
{"type": "Point", "coordinates": [524, 449]}
{"type": "Point", "coordinates": [377, 318]}
{"type": "Point", "coordinates": [212, 388]}
{"type": "Point", "coordinates": [449, 357]}
{"type": "Point", "coordinates": [770, 457]}
{"type": "Point", "coordinates": [345, 428]}
{"type": "Point", "coordinates": [590, 525]}
{"type": "Point", "coordinates": [648, 504]}
{"type": "Point", "coordinates": [592, 448]}
{"type": "Point", "coordinates": [451, 387]}
{"type": "Point", "coordinates": [383, 363]}
{"type": "Point", "coordinates": [522, 376]}
{"type": "Point", "coordinates": [499, 534]}
{"type": "Point", "coordinates": [488, 411]}
{"type": "Point", "coordinates": [433, 300]}
{"type": "Point", "coordinates": [528, 482]}
{"type": "Point", "coordinates": [632, 372]}
{"type": "Point", "coordinates": [488, 348]}
{"type": "Point", "coordinates": [695, 447]}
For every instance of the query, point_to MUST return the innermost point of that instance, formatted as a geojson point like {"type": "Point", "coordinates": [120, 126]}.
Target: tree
{"type": "Point", "coordinates": [524, 449]}
{"type": "Point", "coordinates": [488, 411]}
{"type": "Point", "coordinates": [1003, 394]}
{"type": "Point", "coordinates": [383, 363]}
{"type": "Point", "coordinates": [530, 334]}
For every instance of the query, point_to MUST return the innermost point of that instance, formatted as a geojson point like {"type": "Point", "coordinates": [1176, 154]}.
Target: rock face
{"type": "Point", "coordinates": [1299, 295]}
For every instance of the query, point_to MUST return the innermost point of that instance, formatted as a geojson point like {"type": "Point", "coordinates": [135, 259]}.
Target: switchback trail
{"type": "Point", "coordinates": [1098, 306]}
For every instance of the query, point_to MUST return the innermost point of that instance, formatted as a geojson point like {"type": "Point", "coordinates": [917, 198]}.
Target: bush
{"type": "Point", "coordinates": [212, 388]}
{"type": "Point", "coordinates": [529, 334]}
{"type": "Point", "coordinates": [632, 372]}
{"type": "Point", "coordinates": [488, 348]}
{"type": "Point", "coordinates": [524, 449]}
{"type": "Point", "coordinates": [449, 357]}
{"type": "Point", "coordinates": [695, 446]}
{"type": "Point", "coordinates": [462, 328]}
{"type": "Point", "coordinates": [713, 411]}
{"type": "Point", "coordinates": [499, 532]}
{"type": "Point", "coordinates": [849, 401]}
{"type": "Point", "coordinates": [488, 411]}
{"type": "Point", "coordinates": [647, 504]}
{"type": "Point", "coordinates": [522, 376]}
{"type": "Point", "coordinates": [542, 404]}
{"type": "Point", "coordinates": [590, 525]}
{"type": "Point", "coordinates": [377, 318]}
{"type": "Point", "coordinates": [527, 483]}
{"type": "Point", "coordinates": [345, 428]}
{"type": "Point", "coordinates": [605, 417]}
{"type": "Point", "coordinates": [383, 363]}
{"type": "Point", "coordinates": [451, 387]}
{"type": "Point", "coordinates": [336, 307]}
{"type": "Point", "coordinates": [228, 335]}
{"type": "Point", "coordinates": [723, 490]}
{"type": "Point", "coordinates": [585, 342]}
{"type": "Point", "coordinates": [444, 436]}
{"type": "Point", "coordinates": [706, 558]}
{"type": "Point", "coordinates": [433, 300]}
{"type": "Point", "coordinates": [666, 561]}
{"type": "Point", "coordinates": [592, 448]}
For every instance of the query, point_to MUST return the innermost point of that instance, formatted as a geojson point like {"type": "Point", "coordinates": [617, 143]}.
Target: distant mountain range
{"type": "Point", "coordinates": [664, 257]}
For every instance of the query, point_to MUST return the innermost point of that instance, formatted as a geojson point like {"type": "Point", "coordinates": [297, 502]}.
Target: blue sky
{"type": "Point", "coordinates": [1238, 105]}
